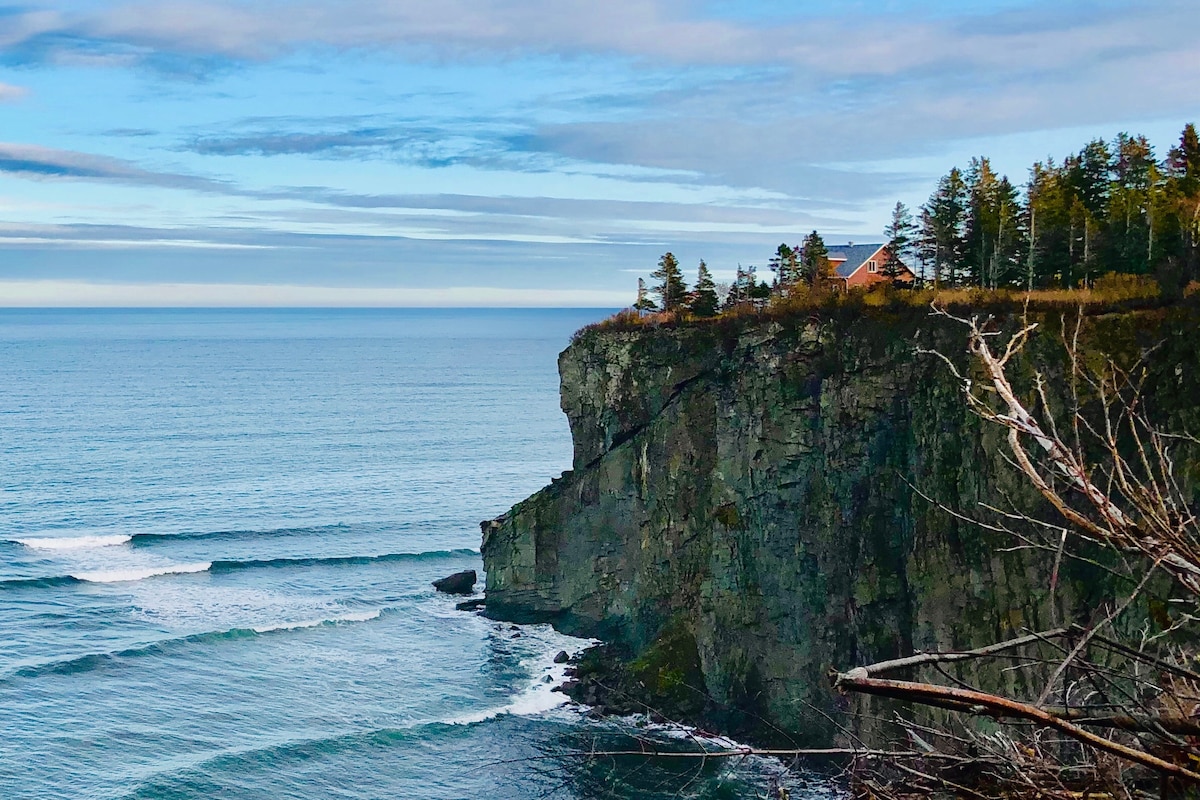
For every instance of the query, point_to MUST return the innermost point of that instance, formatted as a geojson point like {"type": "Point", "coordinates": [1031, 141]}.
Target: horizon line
{"type": "Point", "coordinates": [60, 293]}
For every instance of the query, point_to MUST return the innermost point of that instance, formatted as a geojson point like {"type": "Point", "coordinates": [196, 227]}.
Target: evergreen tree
{"type": "Point", "coordinates": [1136, 178]}
{"type": "Point", "coordinates": [671, 289]}
{"type": "Point", "coordinates": [1089, 176]}
{"type": "Point", "coordinates": [942, 221]}
{"type": "Point", "coordinates": [901, 232]}
{"type": "Point", "coordinates": [1012, 237]}
{"type": "Point", "coordinates": [982, 224]}
{"type": "Point", "coordinates": [1047, 259]}
{"type": "Point", "coordinates": [1181, 237]}
{"type": "Point", "coordinates": [814, 259]}
{"type": "Point", "coordinates": [737, 290]}
{"type": "Point", "coordinates": [704, 298]}
{"type": "Point", "coordinates": [786, 266]}
{"type": "Point", "coordinates": [760, 291]}
{"type": "Point", "coordinates": [643, 302]}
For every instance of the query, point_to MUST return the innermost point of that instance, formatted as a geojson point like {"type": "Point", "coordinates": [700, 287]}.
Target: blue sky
{"type": "Point", "coordinates": [545, 152]}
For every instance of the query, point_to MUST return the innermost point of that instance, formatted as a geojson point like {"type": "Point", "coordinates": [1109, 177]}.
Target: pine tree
{"type": "Point", "coordinates": [643, 302]}
{"type": "Point", "coordinates": [704, 297]}
{"type": "Point", "coordinates": [901, 232]}
{"type": "Point", "coordinates": [786, 266]}
{"type": "Point", "coordinates": [1089, 176]}
{"type": "Point", "coordinates": [814, 259]}
{"type": "Point", "coordinates": [942, 221]}
{"type": "Point", "coordinates": [737, 290]}
{"type": "Point", "coordinates": [1047, 219]}
{"type": "Point", "coordinates": [1182, 231]}
{"type": "Point", "coordinates": [1136, 177]}
{"type": "Point", "coordinates": [982, 224]}
{"type": "Point", "coordinates": [671, 289]}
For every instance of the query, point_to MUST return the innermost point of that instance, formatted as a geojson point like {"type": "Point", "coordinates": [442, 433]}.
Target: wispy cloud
{"type": "Point", "coordinates": [10, 93]}
{"type": "Point", "coordinates": [34, 161]}
{"type": "Point", "coordinates": [855, 42]}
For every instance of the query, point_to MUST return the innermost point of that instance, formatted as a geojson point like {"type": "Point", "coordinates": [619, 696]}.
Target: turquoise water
{"type": "Point", "coordinates": [218, 531]}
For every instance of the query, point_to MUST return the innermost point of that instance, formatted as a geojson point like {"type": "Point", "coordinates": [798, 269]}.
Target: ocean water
{"type": "Point", "coordinates": [218, 530]}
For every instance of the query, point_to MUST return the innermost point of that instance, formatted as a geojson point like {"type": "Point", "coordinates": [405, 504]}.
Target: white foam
{"type": "Point", "coordinates": [539, 697]}
{"type": "Point", "coordinates": [73, 542]}
{"type": "Point", "coordinates": [362, 616]}
{"type": "Point", "coordinates": [125, 575]}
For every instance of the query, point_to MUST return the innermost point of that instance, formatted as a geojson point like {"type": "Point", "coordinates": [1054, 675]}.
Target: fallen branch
{"type": "Point", "coordinates": [983, 704]}
{"type": "Point", "coordinates": [962, 655]}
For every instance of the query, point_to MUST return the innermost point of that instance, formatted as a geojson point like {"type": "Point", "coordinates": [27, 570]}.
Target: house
{"type": "Point", "coordinates": [862, 264]}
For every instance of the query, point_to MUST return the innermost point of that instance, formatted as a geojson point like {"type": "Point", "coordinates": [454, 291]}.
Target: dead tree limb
{"type": "Point", "coordinates": [963, 655]}
{"type": "Point", "coordinates": [983, 704]}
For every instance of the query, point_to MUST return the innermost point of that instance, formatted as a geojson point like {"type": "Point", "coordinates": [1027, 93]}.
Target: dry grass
{"type": "Point", "coordinates": [1110, 293]}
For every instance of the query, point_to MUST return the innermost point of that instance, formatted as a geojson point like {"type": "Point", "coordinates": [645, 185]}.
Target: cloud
{"type": "Point", "coordinates": [34, 161]}
{"type": "Point", "coordinates": [528, 218]}
{"type": "Point", "coordinates": [853, 43]}
{"type": "Point", "coordinates": [786, 96]}
{"type": "Point", "coordinates": [11, 94]}
{"type": "Point", "coordinates": [71, 293]}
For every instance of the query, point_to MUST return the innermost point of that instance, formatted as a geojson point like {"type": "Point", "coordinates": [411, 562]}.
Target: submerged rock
{"type": "Point", "coordinates": [472, 605]}
{"type": "Point", "coordinates": [458, 583]}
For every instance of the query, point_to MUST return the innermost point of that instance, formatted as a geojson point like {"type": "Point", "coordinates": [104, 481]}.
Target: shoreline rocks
{"type": "Point", "coordinates": [458, 583]}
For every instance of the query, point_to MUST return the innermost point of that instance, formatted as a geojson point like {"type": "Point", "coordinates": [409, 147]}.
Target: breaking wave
{"type": "Point", "coordinates": [94, 661]}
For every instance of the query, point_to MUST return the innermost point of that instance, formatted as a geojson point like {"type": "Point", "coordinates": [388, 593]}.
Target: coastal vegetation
{"type": "Point", "coordinates": [1111, 208]}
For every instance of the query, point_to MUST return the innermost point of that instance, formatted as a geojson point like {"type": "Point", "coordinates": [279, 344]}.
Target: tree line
{"type": "Point", "coordinates": [1111, 207]}
{"type": "Point", "coordinates": [806, 266]}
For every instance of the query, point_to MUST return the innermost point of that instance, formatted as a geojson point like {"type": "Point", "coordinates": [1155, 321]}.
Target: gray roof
{"type": "Point", "coordinates": [855, 255]}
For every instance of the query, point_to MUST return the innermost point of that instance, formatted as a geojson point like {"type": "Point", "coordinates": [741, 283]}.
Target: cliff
{"type": "Point", "coordinates": [742, 516]}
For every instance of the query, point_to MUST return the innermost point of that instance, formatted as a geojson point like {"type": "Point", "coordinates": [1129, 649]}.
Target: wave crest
{"type": "Point", "coordinates": [128, 575]}
{"type": "Point", "coordinates": [94, 661]}
{"type": "Point", "coordinates": [72, 542]}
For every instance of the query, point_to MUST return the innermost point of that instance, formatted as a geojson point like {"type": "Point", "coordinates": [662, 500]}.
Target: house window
{"type": "Point", "coordinates": [871, 267]}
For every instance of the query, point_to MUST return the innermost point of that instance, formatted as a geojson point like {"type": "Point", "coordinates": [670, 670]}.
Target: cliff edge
{"type": "Point", "coordinates": [745, 508]}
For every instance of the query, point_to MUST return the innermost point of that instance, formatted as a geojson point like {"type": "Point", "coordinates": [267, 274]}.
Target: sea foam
{"type": "Point", "coordinates": [73, 542]}
{"type": "Point", "coordinates": [539, 696]}
{"type": "Point", "coordinates": [126, 575]}
{"type": "Point", "coordinates": [362, 616]}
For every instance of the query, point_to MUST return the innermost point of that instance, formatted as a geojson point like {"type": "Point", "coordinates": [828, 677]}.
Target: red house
{"type": "Point", "coordinates": [862, 264]}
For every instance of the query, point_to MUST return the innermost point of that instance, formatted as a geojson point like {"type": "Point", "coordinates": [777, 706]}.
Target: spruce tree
{"type": "Point", "coordinates": [704, 297]}
{"type": "Point", "coordinates": [814, 259]}
{"type": "Point", "coordinates": [786, 266]}
{"type": "Point", "coordinates": [901, 232]}
{"type": "Point", "coordinates": [942, 220]}
{"type": "Point", "coordinates": [671, 289]}
{"type": "Point", "coordinates": [1182, 226]}
{"type": "Point", "coordinates": [643, 302]}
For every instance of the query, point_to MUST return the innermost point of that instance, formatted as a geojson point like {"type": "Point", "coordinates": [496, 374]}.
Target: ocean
{"type": "Point", "coordinates": [218, 531]}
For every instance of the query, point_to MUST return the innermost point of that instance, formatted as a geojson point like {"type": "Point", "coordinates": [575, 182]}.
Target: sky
{"type": "Point", "coordinates": [534, 153]}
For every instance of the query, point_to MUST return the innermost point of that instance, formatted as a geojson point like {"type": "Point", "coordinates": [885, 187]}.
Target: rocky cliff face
{"type": "Point", "coordinates": [742, 499]}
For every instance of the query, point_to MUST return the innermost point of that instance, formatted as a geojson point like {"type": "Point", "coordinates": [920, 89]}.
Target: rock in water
{"type": "Point", "coordinates": [562, 657]}
{"type": "Point", "coordinates": [458, 583]}
{"type": "Point", "coordinates": [472, 605]}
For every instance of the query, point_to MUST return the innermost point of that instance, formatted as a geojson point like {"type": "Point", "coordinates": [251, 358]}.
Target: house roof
{"type": "Point", "coordinates": [853, 254]}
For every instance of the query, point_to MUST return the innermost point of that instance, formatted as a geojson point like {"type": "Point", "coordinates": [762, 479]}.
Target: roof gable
{"type": "Point", "coordinates": [854, 256]}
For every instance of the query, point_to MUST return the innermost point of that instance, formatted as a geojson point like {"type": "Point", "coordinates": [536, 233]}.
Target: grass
{"type": "Point", "coordinates": [1109, 294]}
